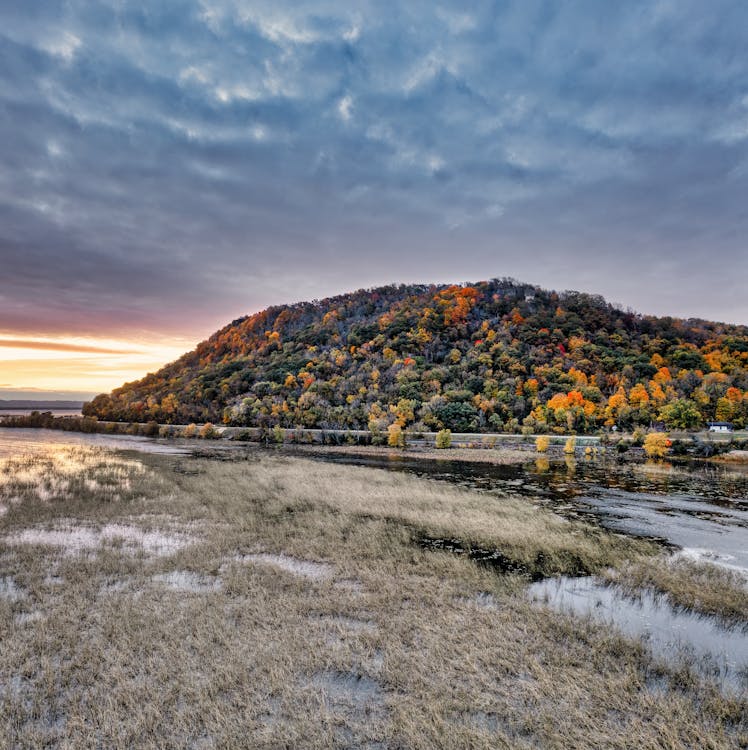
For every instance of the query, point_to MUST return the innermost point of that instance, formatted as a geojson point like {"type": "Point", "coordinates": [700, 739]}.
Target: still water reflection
{"type": "Point", "coordinates": [15, 441]}
{"type": "Point", "coordinates": [702, 508]}
{"type": "Point", "coordinates": [676, 636]}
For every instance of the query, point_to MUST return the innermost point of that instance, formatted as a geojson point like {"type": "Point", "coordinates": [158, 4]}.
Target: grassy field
{"type": "Point", "coordinates": [277, 602]}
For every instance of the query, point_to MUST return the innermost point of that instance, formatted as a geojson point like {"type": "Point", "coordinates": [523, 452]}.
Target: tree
{"type": "Point", "coordinates": [682, 414]}
{"type": "Point", "coordinates": [444, 439]}
{"type": "Point", "coordinates": [656, 444]}
{"type": "Point", "coordinates": [395, 436]}
{"type": "Point", "coordinates": [458, 416]}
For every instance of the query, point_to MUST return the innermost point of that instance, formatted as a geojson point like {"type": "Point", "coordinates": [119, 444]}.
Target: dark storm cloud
{"type": "Point", "coordinates": [167, 168]}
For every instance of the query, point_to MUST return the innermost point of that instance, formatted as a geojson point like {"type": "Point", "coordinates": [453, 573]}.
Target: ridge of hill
{"type": "Point", "coordinates": [495, 355]}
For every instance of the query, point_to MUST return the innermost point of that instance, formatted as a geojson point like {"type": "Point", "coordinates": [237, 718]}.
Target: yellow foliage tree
{"type": "Point", "coordinates": [656, 444]}
{"type": "Point", "coordinates": [541, 444]}
{"type": "Point", "coordinates": [395, 436]}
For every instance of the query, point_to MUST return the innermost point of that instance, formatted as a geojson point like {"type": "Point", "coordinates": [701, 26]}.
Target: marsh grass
{"type": "Point", "coordinates": [228, 641]}
{"type": "Point", "coordinates": [700, 587]}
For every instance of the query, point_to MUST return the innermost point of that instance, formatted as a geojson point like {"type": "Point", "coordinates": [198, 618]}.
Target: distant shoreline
{"type": "Point", "coordinates": [13, 405]}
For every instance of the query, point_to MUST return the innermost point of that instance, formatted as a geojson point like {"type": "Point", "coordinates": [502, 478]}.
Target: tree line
{"type": "Point", "coordinates": [495, 356]}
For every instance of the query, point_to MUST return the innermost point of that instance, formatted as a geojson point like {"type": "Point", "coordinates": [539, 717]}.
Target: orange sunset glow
{"type": "Point", "coordinates": [88, 365]}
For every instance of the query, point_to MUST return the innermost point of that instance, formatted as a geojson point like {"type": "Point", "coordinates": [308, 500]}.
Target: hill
{"type": "Point", "coordinates": [492, 356]}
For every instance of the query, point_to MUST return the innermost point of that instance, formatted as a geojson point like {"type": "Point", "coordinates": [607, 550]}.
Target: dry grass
{"type": "Point", "coordinates": [694, 586]}
{"type": "Point", "coordinates": [734, 456]}
{"type": "Point", "coordinates": [301, 614]}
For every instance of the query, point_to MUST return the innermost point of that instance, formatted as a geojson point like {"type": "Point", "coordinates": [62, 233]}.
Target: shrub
{"type": "Point", "coordinates": [395, 436]}
{"type": "Point", "coordinates": [190, 431]}
{"type": "Point", "coordinates": [278, 434]}
{"type": "Point", "coordinates": [656, 444]}
{"type": "Point", "coordinates": [638, 437]}
{"type": "Point", "coordinates": [541, 444]}
{"type": "Point", "coordinates": [151, 429]}
{"type": "Point", "coordinates": [570, 446]}
{"type": "Point", "coordinates": [208, 431]}
{"type": "Point", "coordinates": [444, 439]}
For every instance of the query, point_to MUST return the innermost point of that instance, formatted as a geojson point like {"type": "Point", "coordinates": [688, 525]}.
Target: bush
{"type": "Point", "coordinates": [657, 445]}
{"type": "Point", "coordinates": [395, 436]}
{"type": "Point", "coordinates": [570, 446]}
{"type": "Point", "coordinates": [541, 444]}
{"type": "Point", "coordinates": [444, 439]}
{"type": "Point", "coordinates": [208, 431]}
{"type": "Point", "coordinates": [151, 429]}
{"type": "Point", "coordinates": [190, 431]}
{"type": "Point", "coordinates": [638, 437]}
{"type": "Point", "coordinates": [278, 434]}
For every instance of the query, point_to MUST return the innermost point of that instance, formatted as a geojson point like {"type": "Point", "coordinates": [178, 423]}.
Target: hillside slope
{"type": "Point", "coordinates": [490, 356]}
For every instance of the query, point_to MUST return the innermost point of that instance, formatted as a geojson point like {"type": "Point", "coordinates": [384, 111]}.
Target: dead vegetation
{"type": "Point", "coordinates": [691, 585]}
{"type": "Point", "coordinates": [298, 612]}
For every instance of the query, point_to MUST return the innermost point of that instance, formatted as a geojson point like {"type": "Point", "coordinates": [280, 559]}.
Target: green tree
{"type": "Point", "coordinates": [458, 416]}
{"type": "Point", "coordinates": [682, 414]}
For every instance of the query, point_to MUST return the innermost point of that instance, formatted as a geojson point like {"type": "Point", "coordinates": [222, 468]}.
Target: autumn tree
{"type": "Point", "coordinates": [682, 414]}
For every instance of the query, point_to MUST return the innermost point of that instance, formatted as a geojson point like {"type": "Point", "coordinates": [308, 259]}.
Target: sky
{"type": "Point", "coordinates": [166, 167]}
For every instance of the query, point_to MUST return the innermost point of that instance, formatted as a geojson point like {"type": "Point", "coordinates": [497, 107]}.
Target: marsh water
{"type": "Point", "coordinates": [677, 636]}
{"type": "Point", "coordinates": [15, 441]}
{"type": "Point", "coordinates": [699, 509]}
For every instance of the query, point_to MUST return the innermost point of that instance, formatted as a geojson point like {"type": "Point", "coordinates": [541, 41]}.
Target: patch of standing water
{"type": "Point", "coordinates": [303, 568]}
{"type": "Point", "coordinates": [15, 441]}
{"type": "Point", "coordinates": [76, 538]}
{"type": "Point", "coordinates": [676, 636]}
{"type": "Point", "coordinates": [186, 580]}
{"type": "Point", "coordinates": [9, 589]}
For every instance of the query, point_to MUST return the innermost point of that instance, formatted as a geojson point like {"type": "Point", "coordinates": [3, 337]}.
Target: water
{"type": "Point", "coordinates": [674, 635]}
{"type": "Point", "coordinates": [16, 441]}
{"type": "Point", "coordinates": [701, 508]}
{"type": "Point", "coordinates": [27, 412]}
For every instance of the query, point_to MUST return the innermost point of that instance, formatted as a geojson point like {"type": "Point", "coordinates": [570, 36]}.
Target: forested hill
{"type": "Point", "coordinates": [491, 356]}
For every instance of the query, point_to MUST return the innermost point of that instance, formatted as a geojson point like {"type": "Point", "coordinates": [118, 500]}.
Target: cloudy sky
{"type": "Point", "coordinates": [166, 167]}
